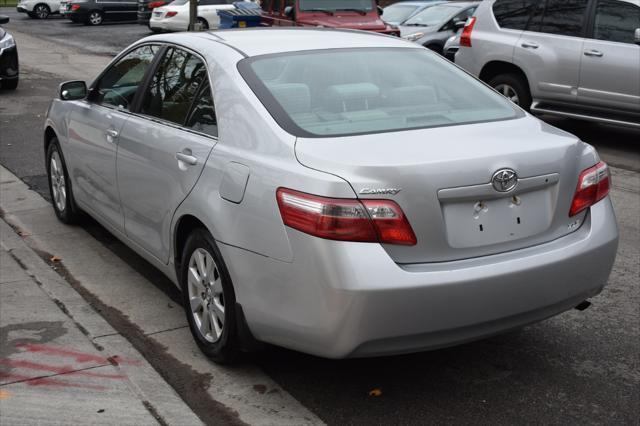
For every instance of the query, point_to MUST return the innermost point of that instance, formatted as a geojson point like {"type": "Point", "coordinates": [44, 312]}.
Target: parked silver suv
{"type": "Point", "coordinates": [572, 58]}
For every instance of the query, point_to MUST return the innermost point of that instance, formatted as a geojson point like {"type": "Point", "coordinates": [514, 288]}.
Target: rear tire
{"type": "Point", "coordinates": [60, 185]}
{"type": "Point", "coordinates": [514, 88]}
{"type": "Point", "coordinates": [208, 298]}
{"type": "Point", "coordinates": [94, 18]}
{"type": "Point", "coordinates": [9, 84]}
{"type": "Point", "coordinates": [203, 22]}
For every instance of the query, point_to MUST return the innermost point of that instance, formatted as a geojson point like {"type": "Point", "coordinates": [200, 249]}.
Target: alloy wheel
{"type": "Point", "coordinates": [58, 183]}
{"type": "Point", "coordinates": [508, 92]}
{"type": "Point", "coordinates": [41, 11]}
{"type": "Point", "coordinates": [206, 295]}
{"type": "Point", "coordinates": [95, 18]}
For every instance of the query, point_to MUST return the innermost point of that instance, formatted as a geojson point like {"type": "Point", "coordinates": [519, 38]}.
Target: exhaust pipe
{"type": "Point", "coordinates": [583, 305]}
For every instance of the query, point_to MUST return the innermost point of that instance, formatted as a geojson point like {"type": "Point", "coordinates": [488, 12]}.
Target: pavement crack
{"type": "Point", "coordinates": [164, 331]}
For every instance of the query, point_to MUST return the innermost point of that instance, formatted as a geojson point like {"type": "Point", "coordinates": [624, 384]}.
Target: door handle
{"type": "Point", "coordinates": [596, 53]}
{"type": "Point", "coordinates": [187, 158]}
{"type": "Point", "coordinates": [111, 135]}
{"type": "Point", "coordinates": [530, 45]}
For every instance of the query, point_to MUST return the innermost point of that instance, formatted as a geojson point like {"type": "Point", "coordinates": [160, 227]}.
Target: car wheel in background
{"type": "Point", "coordinates": [41, 11]}
{"type": "Point", "coordinates": [95, 17]}
{"type": "Point", "coordinates": [208, 297]}
{"type": "Point", "coordinates": [514, 88]}
{"type": "Point", "coordinates": [203, 23]}
{"type": "Point", "coordinates": [60, 185]}
{"type": "Point", "coordinates": [435, 48]}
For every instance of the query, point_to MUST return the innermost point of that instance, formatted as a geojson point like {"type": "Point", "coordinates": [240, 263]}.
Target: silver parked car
{"type": "Point", "coordinates": [339, 193]}
{"type": "Point", "coordinates": [433, 26]}
{"type": "Point", "coordinates": [397, 13]}
{"type": "Point", "coordinates": [570, 58]}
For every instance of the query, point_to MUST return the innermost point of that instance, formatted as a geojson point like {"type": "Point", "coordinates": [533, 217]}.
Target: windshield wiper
{"type": "Point", "coordinates": [327, 11]}
{"type": "Point", "coordinates": [415, 25]}
{"type": "Point", "coordinates": [361, 11]}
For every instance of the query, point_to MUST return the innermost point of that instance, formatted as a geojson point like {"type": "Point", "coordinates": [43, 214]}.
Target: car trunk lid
{"type": "Point", "coordinates": [444, 177]}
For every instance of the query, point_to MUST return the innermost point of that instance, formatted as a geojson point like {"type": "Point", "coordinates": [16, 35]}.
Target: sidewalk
{"type": "Point", "coordinates": [52, 371]}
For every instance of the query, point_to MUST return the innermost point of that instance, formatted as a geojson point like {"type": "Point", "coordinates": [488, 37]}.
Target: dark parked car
{"type": "Point", "coordinates": [9, 69]}
{"type": "Point", "coordinates": [95, 12]}
{"type": "Point", "coordinates": [145, 8]}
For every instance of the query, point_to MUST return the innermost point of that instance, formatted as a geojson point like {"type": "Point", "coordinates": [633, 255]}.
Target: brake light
{"type": "Point", "coordinates": [75, 7]}
{"type": "Point", "coordinates": [155, 4]}
{"type": "Point", "coordinates": [593, 186]}
{"type": "Point", "coordinates": [345, 219]}
{"type": "Point", "coordinates": [170, 14]}
{"type": "Point", "coordinates": [465, 37]}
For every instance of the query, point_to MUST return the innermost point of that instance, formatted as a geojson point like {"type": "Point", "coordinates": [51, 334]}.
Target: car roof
{"type": "Point", "coordinates": [264, 41]}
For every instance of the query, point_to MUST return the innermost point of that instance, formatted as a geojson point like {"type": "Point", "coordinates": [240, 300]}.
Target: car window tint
{"type": "Point", "coordinates": [203, 115]}
{"type": "Point", "coordinates": [118, 85]}
{"type": "Point", "coordinates": [369, 90]}
{"type": "Point", "coordinates": [464, 15]}
{"type": "Point", "coordinates": [174, 86]}
{"type": "Point", "coordinates": [563, 17]}
{"type": "Point", "coordinates": [616, 21]}
{"type": "Point", "coordinates": [514, 14]}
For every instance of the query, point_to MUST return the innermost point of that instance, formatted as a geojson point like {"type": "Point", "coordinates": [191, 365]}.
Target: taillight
{"type": "Point", "coordinates": [155, 4]}
{"type": "Point", "coordinates": [170, 14]}
{"type": "Point", "coordinates": [345, 219]}
{"type": "Point", "coordinates": [593, 186]}
{"type": "Point", "coordinates": [75, 7]}
{"type": "Point", "coordinates": [465, 37]}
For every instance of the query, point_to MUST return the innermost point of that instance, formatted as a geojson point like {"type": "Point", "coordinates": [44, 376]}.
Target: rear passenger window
{"type": "Point", "coordinates": [202, 117]}
{"type": "Point", "coordinates": [514, 14]}
{"type": "Point", "coordinates": [174, 86]}
{"type": "Point", "coordinates": [563, 17]}
{"type": "Point", "coordinates": [616, 21]}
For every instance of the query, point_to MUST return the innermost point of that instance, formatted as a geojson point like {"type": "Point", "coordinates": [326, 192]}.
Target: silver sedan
{"type": "Point", "coordinates": [339, 193]}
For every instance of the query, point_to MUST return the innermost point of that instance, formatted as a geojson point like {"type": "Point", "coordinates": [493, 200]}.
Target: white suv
{"type": "Point", "coordinates": [40, 9]}
{"type": "Point", "coordinates": [571, 58]}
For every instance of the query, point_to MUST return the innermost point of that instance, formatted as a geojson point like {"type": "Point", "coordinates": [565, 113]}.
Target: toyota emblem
{"type": "Point", "coordinates": [504, 180]}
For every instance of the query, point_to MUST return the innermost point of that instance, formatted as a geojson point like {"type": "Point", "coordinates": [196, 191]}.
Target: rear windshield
{"type": "Point", "coordinates": [434, 15]}
{"type": "Point", "coordinates": [358, 91]}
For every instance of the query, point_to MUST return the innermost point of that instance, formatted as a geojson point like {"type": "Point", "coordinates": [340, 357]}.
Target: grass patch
{"type": "Point", "coordinates": [8, 3]}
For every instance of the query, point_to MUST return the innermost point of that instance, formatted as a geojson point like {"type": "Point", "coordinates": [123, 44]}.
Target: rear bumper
{"type": "Point", "coordinates": [341, 299]}
{"type": "Point", "coordinates": [167, 25]}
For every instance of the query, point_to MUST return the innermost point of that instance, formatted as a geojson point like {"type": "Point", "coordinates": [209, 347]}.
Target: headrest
{"type": "Point", "coordinates": [294, 97]}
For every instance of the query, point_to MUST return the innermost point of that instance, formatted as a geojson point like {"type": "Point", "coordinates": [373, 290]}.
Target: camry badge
{"type": "Point", "coordinates": [379, 191]}
{"type": "Point", "coordinates": [504, 180]}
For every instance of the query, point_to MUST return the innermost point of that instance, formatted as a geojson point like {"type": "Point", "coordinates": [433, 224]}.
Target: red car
{"type": "Point", "coordinates": [352, 14]}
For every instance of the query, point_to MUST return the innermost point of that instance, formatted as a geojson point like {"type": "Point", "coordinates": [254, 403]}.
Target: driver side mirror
{"type": "Point", "coordinates": [73, 90]}
{"type": "Point", "coordinates": [636, 36]}
{"type": "Point", "coordinates": [380, 10]}
{"type": "Point", "coordinates": [288, 11]}
{"type": "Point", "coordinates": [458, 25]}
{"type": "Point", "coordinates": [4, 19]}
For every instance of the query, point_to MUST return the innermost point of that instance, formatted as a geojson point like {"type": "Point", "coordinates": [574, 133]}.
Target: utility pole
{"type": "Point", "coordinates": [193, 15]}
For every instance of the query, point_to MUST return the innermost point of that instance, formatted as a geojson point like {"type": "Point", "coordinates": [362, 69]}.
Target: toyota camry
{"type": "Point", "coordinates": [340, 193]}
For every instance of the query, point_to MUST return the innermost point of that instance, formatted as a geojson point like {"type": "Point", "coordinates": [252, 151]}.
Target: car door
{"type": "Point", "coordinates": [610, 71]}
{"type": "Point", "coordinates": [550, 49]}
{"type": "Point", "coordinates": [93, 130]}
{"type": "Point", "coordinates": [163, 148]}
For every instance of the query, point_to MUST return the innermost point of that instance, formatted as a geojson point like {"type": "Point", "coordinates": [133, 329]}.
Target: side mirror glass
{"type": "Point", "coordinates": [288, 11]}
{"type": "Point", "coordinates": [380, 11]}
{"type": "Point", "coordinates": [636, 37]}
{"type": "Point", "coordinates": [4, 19]}
{"type": "Point", "coordinates": [73, 90]}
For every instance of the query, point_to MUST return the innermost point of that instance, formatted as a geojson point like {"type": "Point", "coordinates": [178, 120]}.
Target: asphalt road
{"type": "Point", "coordinates": [580, 367]}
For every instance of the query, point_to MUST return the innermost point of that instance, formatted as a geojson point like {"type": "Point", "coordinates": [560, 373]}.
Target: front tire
{"type": "Point", "coordinates": [60, 185]}
{"type": "Point", "coordinates": [208, 298]}
{"type": "Point", "coordinates": [41, 11]}
{"type": "Point", "coordinates": [514, 88]}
